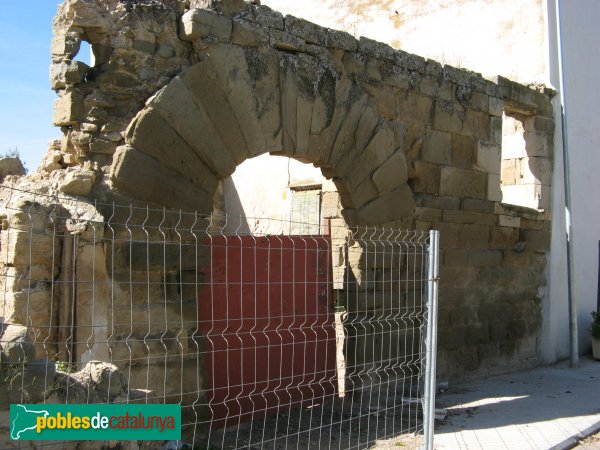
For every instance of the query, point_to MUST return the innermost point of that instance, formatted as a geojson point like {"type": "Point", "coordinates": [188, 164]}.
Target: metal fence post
{"type": "Point", "coordinates": [431, 339]}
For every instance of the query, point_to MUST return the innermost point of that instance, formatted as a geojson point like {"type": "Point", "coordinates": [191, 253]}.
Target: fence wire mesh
{"type": "Point", "coordinates": [267, 340]}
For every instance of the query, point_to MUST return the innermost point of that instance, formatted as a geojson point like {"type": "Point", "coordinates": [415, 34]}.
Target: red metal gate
{"type": "Point", "coordinates": [266, 312]}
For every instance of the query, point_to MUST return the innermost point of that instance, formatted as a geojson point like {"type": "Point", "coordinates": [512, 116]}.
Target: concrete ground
{"type": "Point", "coordinates": [551, 407]}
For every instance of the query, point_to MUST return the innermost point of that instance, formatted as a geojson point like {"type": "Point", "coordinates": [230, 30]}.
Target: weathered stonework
{"type": "Point", "coordinates": [178, 97]}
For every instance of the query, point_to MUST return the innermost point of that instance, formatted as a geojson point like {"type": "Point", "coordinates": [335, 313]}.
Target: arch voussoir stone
{"type": "Point", "coordinates": [143, 177]}
{"type": "Point", "coordinates": [190, 120]}
{"type": "Point", "coordinates": [151, 134]}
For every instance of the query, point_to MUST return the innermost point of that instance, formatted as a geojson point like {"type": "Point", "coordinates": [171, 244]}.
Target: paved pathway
{"type": "Point", "coordinates": [545, 408]}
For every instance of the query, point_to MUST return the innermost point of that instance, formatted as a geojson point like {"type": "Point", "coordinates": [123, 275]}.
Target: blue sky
{"type": "Point", "coordinates": [26, 99]}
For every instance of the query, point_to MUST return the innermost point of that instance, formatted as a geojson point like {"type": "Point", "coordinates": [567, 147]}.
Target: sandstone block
{"type": "Point", "coordinates": [68, 109]}
{"type": "Point", "coordinates": [509, 221]}
{"type": "Point", "coordinates": [245, 32]}
{"type": "Point", "coordinates": [494, 191]}
{"type": "Point", "coordinates": [67, 72]}
{"type": "Point", "coordinates": [425, 178]}
{"type": "Point", "coordinates": [463, 183]}
{"type": "Point", "coordinates": [447, 117]}
{"type": "Point", "coordinates": [485, 258]}
{"type": "Point", "coordinates": [391, 174]}
{"type": "Point", "coordinates": [539, 123]}
{"type": "Point", "coordinates": [470, 204]}
{"type": "Point", "coordinates": [16, 345]}
{"type": "Point", "coordinates": [150, 133]}
{"type": "Point", "coordinates": [145, 178]}
{"type": "Point", "coordinates": [193, 124]}
{"type": "Point", "coordinates": [342, 40]}
{"type": "Point", "coordinates": [536, 240]}
{"type": "Point", "coordinates": [78, 182]}
{"type": "Point", "coordinates": [311, 33]}
{"type": "Point", "coordinates": [103, 146]}
{"type": "Point", "coordinates": [459, 216]}
{"type": "Point", "coordinates": [391, 206]}
{"type": "Point", "coordinates": [266, 16]}
{"type": "Point", "coordinates": [199, 23]}
{"type": "Point", "coordinates": [503, 237]}
{"type": "Point", "coordinates": [437, 147]}
{"type": "Point", "coordinates": [463, 151]}
{"type": "Point", "coordinates": [66, 45]}
{"type": "Point", "coordinates": [474, 236]}
{"type": "Point", "coordinates": [496, 106]}
{"type": "Point", "coordinates": [488, 157]}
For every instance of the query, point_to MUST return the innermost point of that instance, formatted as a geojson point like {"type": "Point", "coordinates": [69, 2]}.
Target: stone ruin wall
{"type": "Point", "coordinates": [409, 143]}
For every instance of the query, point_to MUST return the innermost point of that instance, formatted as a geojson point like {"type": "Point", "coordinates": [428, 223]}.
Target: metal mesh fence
{"type": "Point", "coordinates": [266, 340]}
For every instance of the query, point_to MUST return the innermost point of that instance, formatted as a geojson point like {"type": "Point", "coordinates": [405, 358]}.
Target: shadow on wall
{"type": "Point", "coordinates": [236, 216]}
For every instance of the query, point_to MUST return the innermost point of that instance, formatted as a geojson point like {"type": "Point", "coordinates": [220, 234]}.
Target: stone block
{"type": "Point", "coordinates": [66, 73]}
{"type": "Point", "coordinates": [78, 182]}
{"type": "Point", "coordinates": [310, 32]}
{"type": "Point", "coordinates": [66, 45]}
{"type": "Point", "coordinates": [68, 109]}
{"type": "Point", "coordinates": [330, 205]}
{"type": "Point", "coordinates": [449, 235]}
{"type": "Point", "coordinates": [539, 123]}
{"type": "Point", "coordinates": [425, 178]}
{"type": "Point", "coordinates": [485, 258]}
{"type": "Point", "coordinates": [463, 183]}
{"type": "Point", "coordinates": [456, 257]}
{"type": "Point", "coordinates": [412, 107]}
{"type": "Point", "coordinates": [496, 106]}
{"type": "Point", "coordinates": [247, 33]}
{"type": "Point", "coordinates": [470, 204]}
{"type": "Point", "coordinates": [504, 238]}
{"type": "Point", "coordinates": [463, 151]}
{"type": "Point", "coordinates": [102, 146]}
{"type": "Point", "coordinates": [494, 130]}
{"type": "Point", "coordinates": [144, 46]}
{"type": "Point", "coordinates": [447, 117]}
{"type": "Point", "coordinates": [388, 207]}
{"type": "Point", "coordinates": [479, 125]}
{"type": "Point", "coordinates": [470, 217]}
{"type": "Point", "coordinates": [151, 134]}
{"type": "Point", "coordinates": [536, 240]}
{"type": "Point", "coordinates": [391, 174]}
{"type": "Point", "coordinates": [266, 16]}
{"type": "Point", "coordinates": [144, 178]}
{"type": "Point", "coordinates": [428, 214]}
{"type": "Point", "coordinates": [474, 236]}
{"type": "Point", "coordinates": [479, 102]}
{"type": "Point", "coordinates": [16, 345]}
{"type": "Point", "coordinates": [199, 23]}
{"type": "Point", "coordinates": [440, 202]}
{"type": "Point", "coordinates": [488, 157]}
{"type": "Point", "coordinates": [437, 147]}
{"type": "Point", "coordinates": [494, 191]}
{"type": "Point", "coordinates": [509, 221]}
{"type": "Point", "coordinates": [285, 41]}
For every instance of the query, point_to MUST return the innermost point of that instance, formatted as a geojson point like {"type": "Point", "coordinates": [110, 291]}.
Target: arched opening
{"type": "Point", "coordinates": [233, 106]}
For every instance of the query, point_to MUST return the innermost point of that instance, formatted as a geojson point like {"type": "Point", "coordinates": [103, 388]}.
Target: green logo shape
{"type": "Point", "coordinates": [94, 422]}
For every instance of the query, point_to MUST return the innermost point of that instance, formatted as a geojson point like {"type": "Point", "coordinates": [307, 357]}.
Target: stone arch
{"type": "Point", "coordinates": [239, 102]}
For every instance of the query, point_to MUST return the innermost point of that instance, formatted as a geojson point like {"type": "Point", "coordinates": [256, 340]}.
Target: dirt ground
{"type": "Point", "coordinates": [590, 443]}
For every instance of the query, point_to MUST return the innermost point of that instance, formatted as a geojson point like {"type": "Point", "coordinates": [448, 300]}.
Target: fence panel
{"type": "Point", "coordinates": [267, 341]}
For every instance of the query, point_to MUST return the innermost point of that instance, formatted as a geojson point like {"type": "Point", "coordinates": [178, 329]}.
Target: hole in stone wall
{"type": "Point", "coordinates": [85, 53]}
{"type": "Point", "coordinates": [267, 193]}
{"type": "Point", "coordinates": [518, 188]}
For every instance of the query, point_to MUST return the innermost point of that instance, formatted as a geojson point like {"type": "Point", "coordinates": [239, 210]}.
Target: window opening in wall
{"type": "Point", "coordinates": [305, 214]}
{"type": "Point", "coordinates": [526, 168]}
